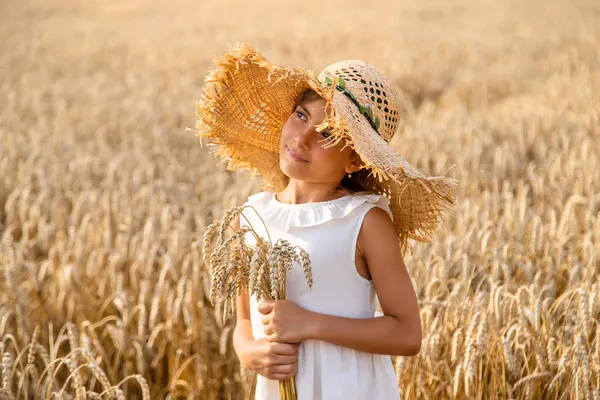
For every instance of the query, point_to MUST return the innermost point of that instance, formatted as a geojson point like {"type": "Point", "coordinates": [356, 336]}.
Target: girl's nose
{"type": "Point", "coordinates": [304, 137]}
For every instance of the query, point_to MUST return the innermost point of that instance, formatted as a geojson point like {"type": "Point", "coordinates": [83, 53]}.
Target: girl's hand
{"type": "Point", "coordinates": [276, 361]}
{"type": "Point", "coordinates": [285, 321]}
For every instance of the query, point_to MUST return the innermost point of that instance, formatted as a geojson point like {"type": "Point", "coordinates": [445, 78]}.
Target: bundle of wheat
{"type": "Point", "coordinates": [261, 269]}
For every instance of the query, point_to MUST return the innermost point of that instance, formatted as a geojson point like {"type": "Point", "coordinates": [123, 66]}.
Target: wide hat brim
{"type": "Point", "coordinates": [246, 101]}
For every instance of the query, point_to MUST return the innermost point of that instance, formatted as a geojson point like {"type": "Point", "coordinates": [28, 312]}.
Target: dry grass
{"type": "Point", "coordinates": [104, 197]}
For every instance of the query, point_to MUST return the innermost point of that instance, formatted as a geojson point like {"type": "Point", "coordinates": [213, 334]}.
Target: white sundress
{"type": "Point", "coordinates": [328, 232]}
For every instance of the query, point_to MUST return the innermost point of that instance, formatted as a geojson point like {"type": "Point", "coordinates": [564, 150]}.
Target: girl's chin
{"type": "Point", "coordinates": [295, 171]}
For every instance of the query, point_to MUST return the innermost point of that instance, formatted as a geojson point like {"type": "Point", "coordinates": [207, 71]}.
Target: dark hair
{"type": "Point", "coordinates": [361, 180]}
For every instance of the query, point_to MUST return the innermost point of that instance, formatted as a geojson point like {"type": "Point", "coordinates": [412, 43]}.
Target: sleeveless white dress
{"type": "Point", "coordinates": [328, 232]}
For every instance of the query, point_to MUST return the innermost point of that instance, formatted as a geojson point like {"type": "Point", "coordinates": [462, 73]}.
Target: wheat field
{"type": "Point", "coordinates": [105, 195]}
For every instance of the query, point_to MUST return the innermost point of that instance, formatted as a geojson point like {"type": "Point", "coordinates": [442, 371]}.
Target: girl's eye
{"type": "Point", "coordinates": [325, 134]}
{"type": "Point", "coordinates": [300, 115]}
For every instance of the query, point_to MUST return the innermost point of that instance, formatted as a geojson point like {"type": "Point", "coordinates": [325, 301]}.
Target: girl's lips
{"type": "Point", "coordinates": [295, 156]}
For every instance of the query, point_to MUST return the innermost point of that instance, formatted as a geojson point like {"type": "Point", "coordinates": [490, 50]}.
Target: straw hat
{"type": "Point", "coordinates": [246, 101]}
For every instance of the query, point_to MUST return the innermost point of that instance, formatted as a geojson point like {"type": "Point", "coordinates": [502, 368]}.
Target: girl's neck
{"type": "Point", "coordinates": [300, 192]}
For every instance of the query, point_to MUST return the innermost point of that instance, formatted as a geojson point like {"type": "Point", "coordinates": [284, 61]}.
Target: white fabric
{"type": "Point", "coordinates": [328, 232]}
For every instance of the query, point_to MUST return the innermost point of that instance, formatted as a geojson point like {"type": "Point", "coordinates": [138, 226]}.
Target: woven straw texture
{"type": "Point", "coordinates": [246, 101]}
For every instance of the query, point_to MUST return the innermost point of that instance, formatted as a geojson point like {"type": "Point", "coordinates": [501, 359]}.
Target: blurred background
{"type": "Point", "coordinates": [105, 191]}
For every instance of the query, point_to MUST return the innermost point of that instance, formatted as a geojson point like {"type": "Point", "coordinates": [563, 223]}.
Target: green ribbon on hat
{"type": "Point", "coordinates": [364, 110]}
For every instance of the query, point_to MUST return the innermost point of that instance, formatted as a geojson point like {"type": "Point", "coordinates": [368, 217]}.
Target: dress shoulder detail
{"type": "Point", "coordinates": [288, 216]}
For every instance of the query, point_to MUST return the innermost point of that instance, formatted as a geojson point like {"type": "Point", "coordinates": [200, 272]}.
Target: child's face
{"type": "Point", "coordinates": [301, 152]}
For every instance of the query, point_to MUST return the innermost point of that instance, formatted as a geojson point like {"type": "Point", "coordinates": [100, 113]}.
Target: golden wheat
{"type": "Point", "coordinates": [104, 197]}
{"type": "Point", "coordinates": [260, 269]}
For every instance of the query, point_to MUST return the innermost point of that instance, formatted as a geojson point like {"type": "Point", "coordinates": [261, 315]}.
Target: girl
{"type": "Point", "coordinates": [337, 189]}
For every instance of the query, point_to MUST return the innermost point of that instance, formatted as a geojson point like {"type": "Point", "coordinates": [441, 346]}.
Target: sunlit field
{"type": "Point", "coordinates": [105, 195]}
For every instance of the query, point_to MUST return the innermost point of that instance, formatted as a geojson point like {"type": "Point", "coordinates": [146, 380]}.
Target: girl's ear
{"type": "Point", "coordinates": [354, 164]}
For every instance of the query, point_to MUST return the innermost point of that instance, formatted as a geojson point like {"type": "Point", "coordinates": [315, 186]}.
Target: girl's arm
{"type": "Point", "coordinates": [398, 332]}
{"type": "Point", "coordinates": [242, 334]}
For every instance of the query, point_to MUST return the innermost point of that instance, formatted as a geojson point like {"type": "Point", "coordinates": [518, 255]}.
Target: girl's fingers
{"type": "Point", "coordinates": [280, 372]}
{"type": "Point", "coordinates": [265, 319]}
{"type": "Point", "coordinates": [266, 306]}
{"type": "Point", "coordinates": [278, 361]}
{"type": "Point", "coordinates": [283, 348]}
{"type": "Point", "coordinates": [273, 337]}
{"type": "Point", "coordinates": [268, 329]}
